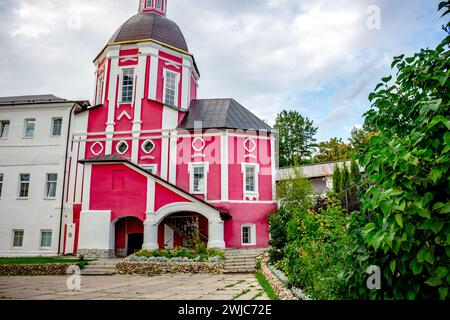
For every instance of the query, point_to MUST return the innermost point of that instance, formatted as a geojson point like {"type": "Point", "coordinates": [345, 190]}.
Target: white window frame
{"type": "Point", "coordinates": [25, 128]}
{"type": "Point", "coordinates": [14, 237]}
{"type": "Point", "coordinates": [252, 234]}
{"type": "Point", "coordinates": [40, 239]}
{"type": "Point", "coordinates": [143, 144]}
{"type": "Point", "coordinates": [2, 177]}
{"type": "Point", "coordinates": [47, 186]}
{"type": "Point", "coordinates": [122, 85]}
{"type": "Point", "coordinates": [244, 171]}
{"type": "Point", "coordinates": [99, 95]}
{"type": "Point", "coordinates": [118, 144]}
{"type": "Point", "coordinates": [2, 123]}
{"type": "Point", "coordinates": [160, 4]}
{"type": "Point", "coordinates": [20, 185]}
{"type": "Point", "coordinates": [177, 86]}
{"type": "Point", "coordinates": [53, 127]}
{"type": "Point", "coordinates": [151, 167]}
{"type": "Point", "coordinates": [191, 169]}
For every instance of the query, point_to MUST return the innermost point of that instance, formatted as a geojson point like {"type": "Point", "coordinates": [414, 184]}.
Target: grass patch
{"type": "Point", "coordinates": [266, 286]}
{"type": "Point", "coordinates": [240, 294]}
{"type": "Point", "coordinates": [42, 260]}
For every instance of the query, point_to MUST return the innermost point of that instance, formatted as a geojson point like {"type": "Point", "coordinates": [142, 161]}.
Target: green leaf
{"type": "Point", "coordinates": [440, 119]}
{"type": "Point", "coordinates": [441, 272]}
{"type": "Point", "coordinates": [392, 265]}
{"type": "Point", "coordinates": [443, 293]}
{"type": "Point", "coordinates": [445, 208]}
{"type": "Point", "coordinates": [434, 282]}
{"type": "Point", "coordinates": [435, 174]}
{"type": "Point", "coordinates": [386, 79]}
{"type": "Point", "coordinates": [447, 138]}
{"type": "Point", "coordinates": [416, 267]}
{"type": "Point", "coordinates": [411, 295]}
{"type": "Point", "coordinates": [399, 219]}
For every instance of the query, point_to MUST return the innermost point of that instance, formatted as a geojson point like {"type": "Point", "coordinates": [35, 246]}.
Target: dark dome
{"type": "Point", "coordinates": [151, 26]}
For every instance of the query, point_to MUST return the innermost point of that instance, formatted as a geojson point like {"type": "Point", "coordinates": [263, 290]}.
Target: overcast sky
{"type": "Point", "coordinates": [315, 56]}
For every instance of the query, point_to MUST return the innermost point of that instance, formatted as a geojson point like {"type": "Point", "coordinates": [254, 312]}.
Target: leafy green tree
{"type": "Point", "coordinates": [337, 177]}
{"type": "Point", "coordinates": [295, 192]}
{"type": "Point", "coordinates": [408, 164]}
{"type": "Point", "coordinates": [359, 140]}
{"type": "Point", "coordinates": [333, 150]}
{"type": "Point", "coordinates": [345, 178]}
{"type": "Point", "coordinates": [355, 172]}
{"type": "Point", "coordinates": [296, 138]}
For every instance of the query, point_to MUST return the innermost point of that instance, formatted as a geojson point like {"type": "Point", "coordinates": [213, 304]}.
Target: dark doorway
{"type": "Point", "coordinates": [135, 242]}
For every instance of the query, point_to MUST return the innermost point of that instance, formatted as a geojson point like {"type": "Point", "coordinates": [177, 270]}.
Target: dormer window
{"type": "Point", "coordinates": [127, 85]}
{"type": "Point", "coordinates": [171, 82]}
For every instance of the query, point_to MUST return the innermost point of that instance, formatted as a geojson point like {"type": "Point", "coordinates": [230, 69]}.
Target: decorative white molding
{"type": "Point", "coordinates": [250, 156]}
{"type": "Point", "coordinates": [202, 147]}
{"type": "Point", "coordinates": [198, 156]}
{"type": "Point", "coordinates": [153, 80]}
{"type": "Point", "coordinates": [124, 114]}
{"type": "Point", "coordinates": [85, 206]}
{"type": "Point", "coordinates": [148, 158]}
{"type": "Point", "coordinates": [224, 167]}
{"type": "Point", "coordinates": [98, 152]}
{"type": "Point", "coordinates": [250, 141]}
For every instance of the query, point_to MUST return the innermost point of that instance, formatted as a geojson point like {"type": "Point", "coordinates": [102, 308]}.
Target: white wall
{"type": "Point", "coordinates": [38, 156]}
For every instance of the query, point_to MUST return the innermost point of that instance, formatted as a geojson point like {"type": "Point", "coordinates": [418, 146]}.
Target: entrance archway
{"type": "Point", "coordinates": [129, 236]}
{"type": "Point", "coordinates": [182, 230]}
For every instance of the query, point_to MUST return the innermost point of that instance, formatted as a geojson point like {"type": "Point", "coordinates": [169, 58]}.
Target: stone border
{"type": "Point", "coordinates": [277, 285]}
{"type": "Point", "coordinates": [152, 268]}
{"type": "Point", "coordinates": [45, 269]}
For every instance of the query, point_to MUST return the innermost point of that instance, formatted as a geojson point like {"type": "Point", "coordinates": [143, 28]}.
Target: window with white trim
{"type": "Point", "coordinates": [98, 99]}
{"type": "Point", "coordinates": [127, 90]}
{"type": "Point", "coordinates": [159, 4]}
{"type": "Point", "coordinates": [122, 147]}
{"type": "Point", "coordinates": [46, 238]}
{"type": "Point", "coordinates": [17, 238]}
{"type": "Point", "coordinates": [149, 3]}
{"type": "Point", "coordinates": [198, 177]}
{"type": "Point", "coordinates": [30, 126]}
{"type": "Point", "coordinates": [1, 184]}
{"type": "Point", "coordinates": [250, 172]}
{"type": "Point", "coordinates": [170, 88]}
{"type": "Point", "coordinates": [50, 186]}
{"type": "Point", "coordinates": [4, 129]}
{"type": "Point", "coordinates": [148, 146]}
{"type": "Point", "coordinates": [56, 127]}
{"type": "Point", "coordinates": [24, 185]}
{"type": "Point", "coordinates": [248, 235]}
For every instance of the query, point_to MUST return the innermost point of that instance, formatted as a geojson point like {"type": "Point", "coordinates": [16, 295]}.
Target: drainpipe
{"type": "Point", "coordinates": [64, 178]}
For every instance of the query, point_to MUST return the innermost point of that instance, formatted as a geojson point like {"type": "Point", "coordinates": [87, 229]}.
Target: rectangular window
{"type": "Point", "coordinates": [158, 4]}
{"type": "Point", "coordinates": [46, 238]}
{"type": "Point", "coordinates": [17, 238]}
{"type": "Point", "coordinates": [4, 129]}
{"type": "Point", "coordinates": [247, 235]}
{"type": "Point", "coordinates": [149, 3]}
{"type": "Point", "coordinates": [50, 188]}
{"type": "Point", "coordinates": [250, 179]}
{"type": "Point", "coordinates": [56, 127]}
{"type": "Point", "coordinates": [170, 86]}
{"type": "Point", "coordinates": [127, 85]}
{"type": "Point", "coordinates": [198, 179]}
{"type": "Point", "coordinates": [98, 99]}
{"type": "Point", "coordinates": [1, 184]}
{"type": "Point", "coordinates": [24, 185]}
{"type": "Point", "coordinates": [30, 125]}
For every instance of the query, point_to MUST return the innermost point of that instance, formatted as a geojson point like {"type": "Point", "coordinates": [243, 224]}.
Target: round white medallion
{"type": "Point", "coordinates": [198, 144]}
{"type": "Point", "coordinates": [249, 145]}
{"type": "Point", "coordinates": [97, 148]}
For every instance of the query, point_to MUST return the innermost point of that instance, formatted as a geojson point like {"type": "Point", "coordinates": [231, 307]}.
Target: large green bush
{"type": "Point", "coordinates": [407, 164]}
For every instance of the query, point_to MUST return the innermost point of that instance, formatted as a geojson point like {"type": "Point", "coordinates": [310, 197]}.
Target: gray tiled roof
{"type": "Point", "coordinates": [222, 114]}
{"type": "Point", "coordinates": [151, 26]}
{"type": "Point", "coordinates": [32, 99]}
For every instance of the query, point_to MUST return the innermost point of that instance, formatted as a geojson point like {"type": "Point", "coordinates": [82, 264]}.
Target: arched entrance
{"type": "Point", "coordinates": [182, 230]}
{"type": "Point", "coordinates": [214, 230]}
{"type": "Point", "coordinates": [129, 236]}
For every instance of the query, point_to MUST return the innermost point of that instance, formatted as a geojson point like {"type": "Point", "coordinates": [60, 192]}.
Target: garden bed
{"type": "Point", "coordinates": [278, 286]}
{"type": "Point", "coordinates": [179, 260]}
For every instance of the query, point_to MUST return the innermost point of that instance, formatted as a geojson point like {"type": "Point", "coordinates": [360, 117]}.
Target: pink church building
{"type": "Point", "coordinates": [150, 165]}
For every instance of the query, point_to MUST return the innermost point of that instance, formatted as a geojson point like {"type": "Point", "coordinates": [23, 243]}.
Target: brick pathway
{"type": "Point", "coordinates": [163, 287]}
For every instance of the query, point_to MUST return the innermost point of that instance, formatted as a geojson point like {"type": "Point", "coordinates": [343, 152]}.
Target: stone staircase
{"type": "Point", "coordinates": [103, 267]}
{"type": "Point", "coordinates": [241, 260]}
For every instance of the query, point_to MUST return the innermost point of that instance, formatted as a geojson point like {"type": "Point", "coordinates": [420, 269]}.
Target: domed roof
{"type": "Point", "coordinates": [151, 26]}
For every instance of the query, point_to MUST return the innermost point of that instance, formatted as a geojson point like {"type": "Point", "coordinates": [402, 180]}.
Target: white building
{"type": "Point", "coordinates": [33, 138]}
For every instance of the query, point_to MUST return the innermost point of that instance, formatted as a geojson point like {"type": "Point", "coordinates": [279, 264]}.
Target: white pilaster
{"type": "Point", "coordinates": [216, 235]}
{"type": "Point", "coordinates": [154, 65]}
{"type": "Point", "coordinates": [150, 236]}
{"type": "Point", "coordinates": [150, 196]}
{"type": "Point", "coordinates": [224, 166]}
{"type": "Point", "coordinates": [113, 58]}
{"type": "Point", "coordinates": [185, 85]}
{"type": "Point", "coordinates": [173, 158]}
{"type": "Point", "coordinates": [273, 165]}
{"type": "Point", "coordinates": [85, 206]}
